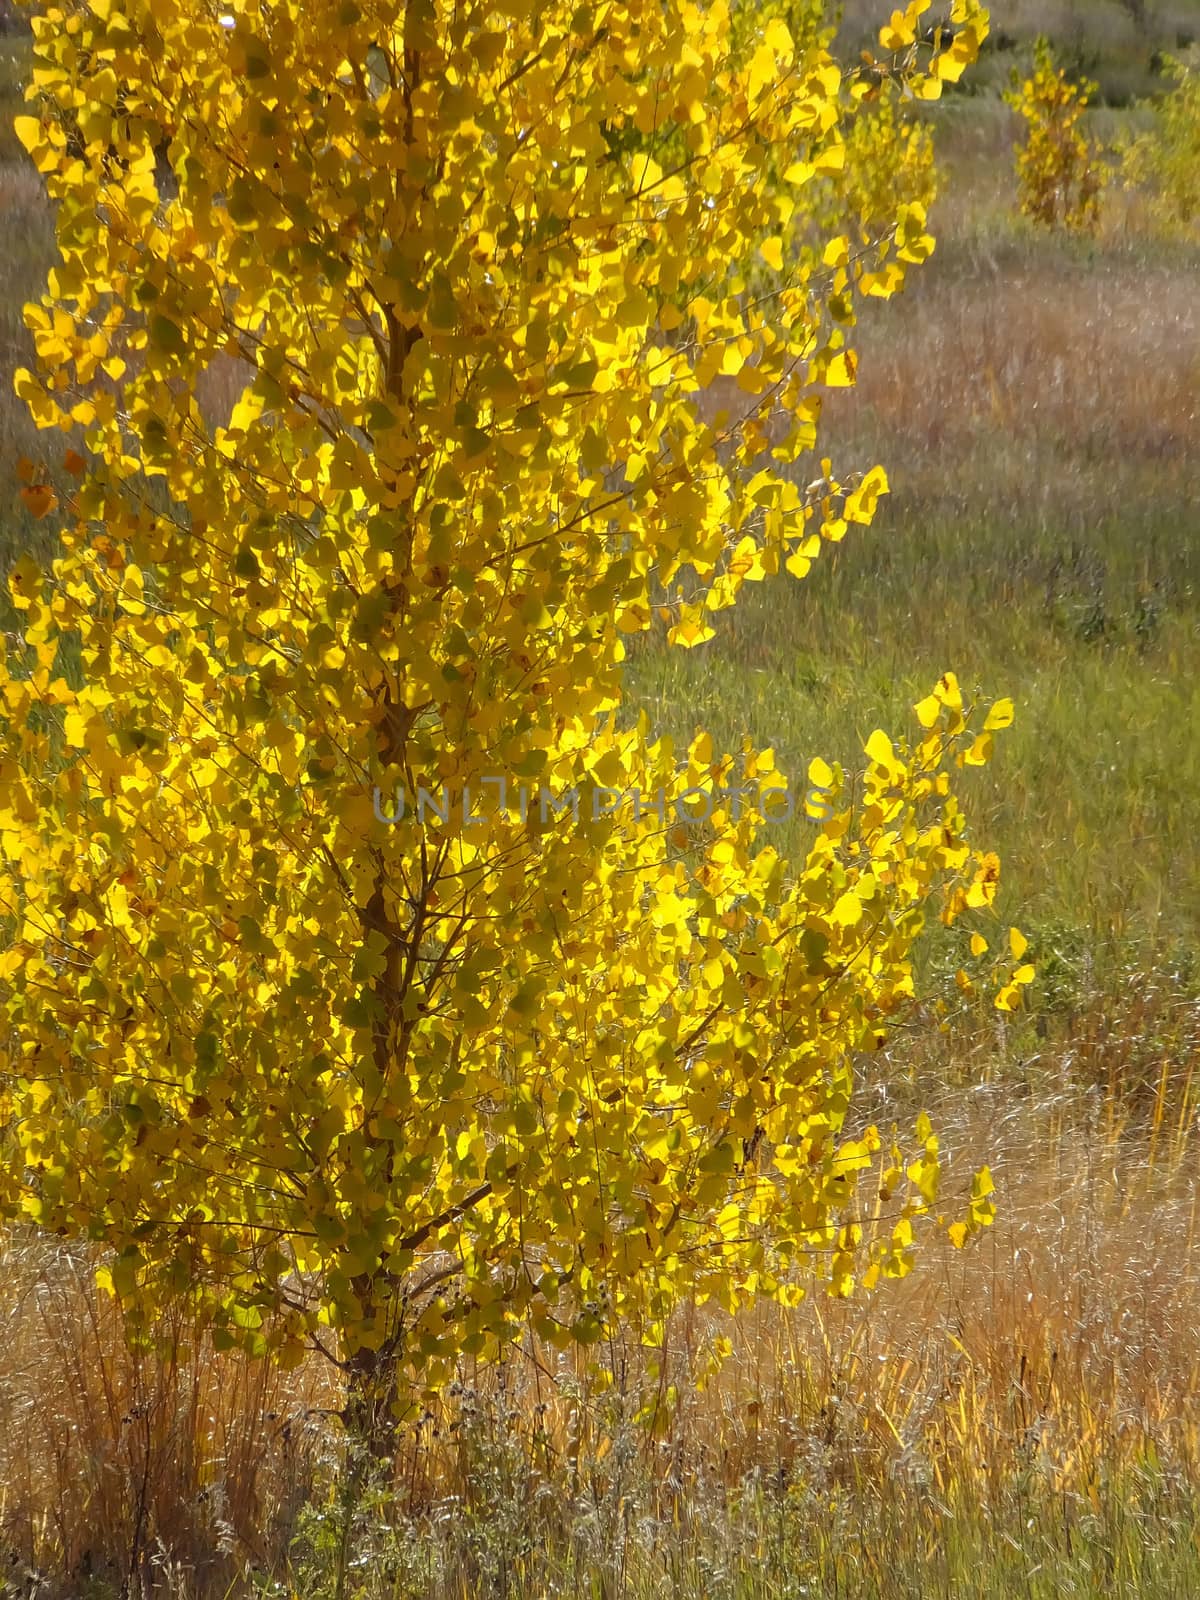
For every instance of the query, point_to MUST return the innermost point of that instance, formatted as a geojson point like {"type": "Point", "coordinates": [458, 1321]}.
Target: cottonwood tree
{"type": "Point", "coordinates": [529, 309]}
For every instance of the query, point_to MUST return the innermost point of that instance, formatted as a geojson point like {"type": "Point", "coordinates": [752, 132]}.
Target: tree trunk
{"type": "Point", "coordinates": [370, 1423]}
{"type": "Point", "coordinates": [368, 1415]}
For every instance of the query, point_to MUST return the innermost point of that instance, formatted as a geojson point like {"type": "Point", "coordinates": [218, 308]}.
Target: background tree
{"type": "Point", "coordinates": [1166, 157]}
{"type": "Point", "coordinates": [1059, 170]}
{"type": "Point", "coordinates": [404, 1086]}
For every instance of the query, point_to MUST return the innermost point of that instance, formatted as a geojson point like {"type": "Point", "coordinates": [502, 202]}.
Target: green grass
{"type": "Point", "coordinates": [1134, 1537]}
{"type": "Point", "coordinates": [1093, 798]}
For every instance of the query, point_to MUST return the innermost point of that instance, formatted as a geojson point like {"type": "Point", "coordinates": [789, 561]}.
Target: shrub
{"type": "Point", "coordinates": [1059, 171]}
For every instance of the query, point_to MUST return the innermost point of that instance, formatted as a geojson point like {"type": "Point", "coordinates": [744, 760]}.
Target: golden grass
{"type": "Point", "coordinates": [1071, 1326]}
{"type": "Point", "coordinates": [1060, 1349]}
{"type": "Point", "coordinates": [180, 1467]}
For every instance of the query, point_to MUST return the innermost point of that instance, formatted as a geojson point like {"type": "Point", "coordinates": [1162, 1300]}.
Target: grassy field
{"type": "Point", "coordinates": [1016, 1419]}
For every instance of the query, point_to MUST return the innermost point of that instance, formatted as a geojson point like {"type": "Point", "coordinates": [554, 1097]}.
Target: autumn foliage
{"type": "Point", "coordinates": [1165, 158]}
{"type": "Point", "coordinates": [1059, 170]}
{"type": "Point", "coordinates": [560, 1044]}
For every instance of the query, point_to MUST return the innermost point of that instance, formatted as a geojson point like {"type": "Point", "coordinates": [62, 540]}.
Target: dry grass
{"type": "Point", "coordinates": [1060, 366]}
{"type": "Point", "coordinates": [1060, 1352]}
{"type": "Point", "coordinates": [1043, 369]}
{"type": "Point", "coordinates": [1067, 1338]}
{"type": "Point", "coordinates": [180, 1469]}
{"type": "Point", "coordinates": [1032, 1371]}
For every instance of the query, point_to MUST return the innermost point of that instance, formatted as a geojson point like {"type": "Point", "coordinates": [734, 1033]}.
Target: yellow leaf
{"type": "Point", "coordinates": [799, 172]}
{"type": "Point", "coordinates": [1000, 716]}
{"type": "Point", "coordinates": [848, 910]}
{"type": "Point", "coordinates": [899, 31]}
{"type": "Point", "coordinates": [24, 580]}
{"type": "Point", "coordinates": [948, 691]}
{"type": "Point", "coordinates": [860, 505]}
{"type": "Point", "coordinates": [75, 729]}
{"type": "Point", "coordinates": [840, 372]}
{"type": "Point", "coordinates": [831, 160]}
{"type": "Point", "coordinates": [689, 633]}
{"type": "Point", "coordinates": [29, 131]}
{"type": "Point", "coordinates": [646, 173]}
{"type": "Point", "coordinates": [776, 35]}
{"type": "Point", "coordinates": [763, 71]}
{"type": "Point", "coordinates": [928, 710]}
